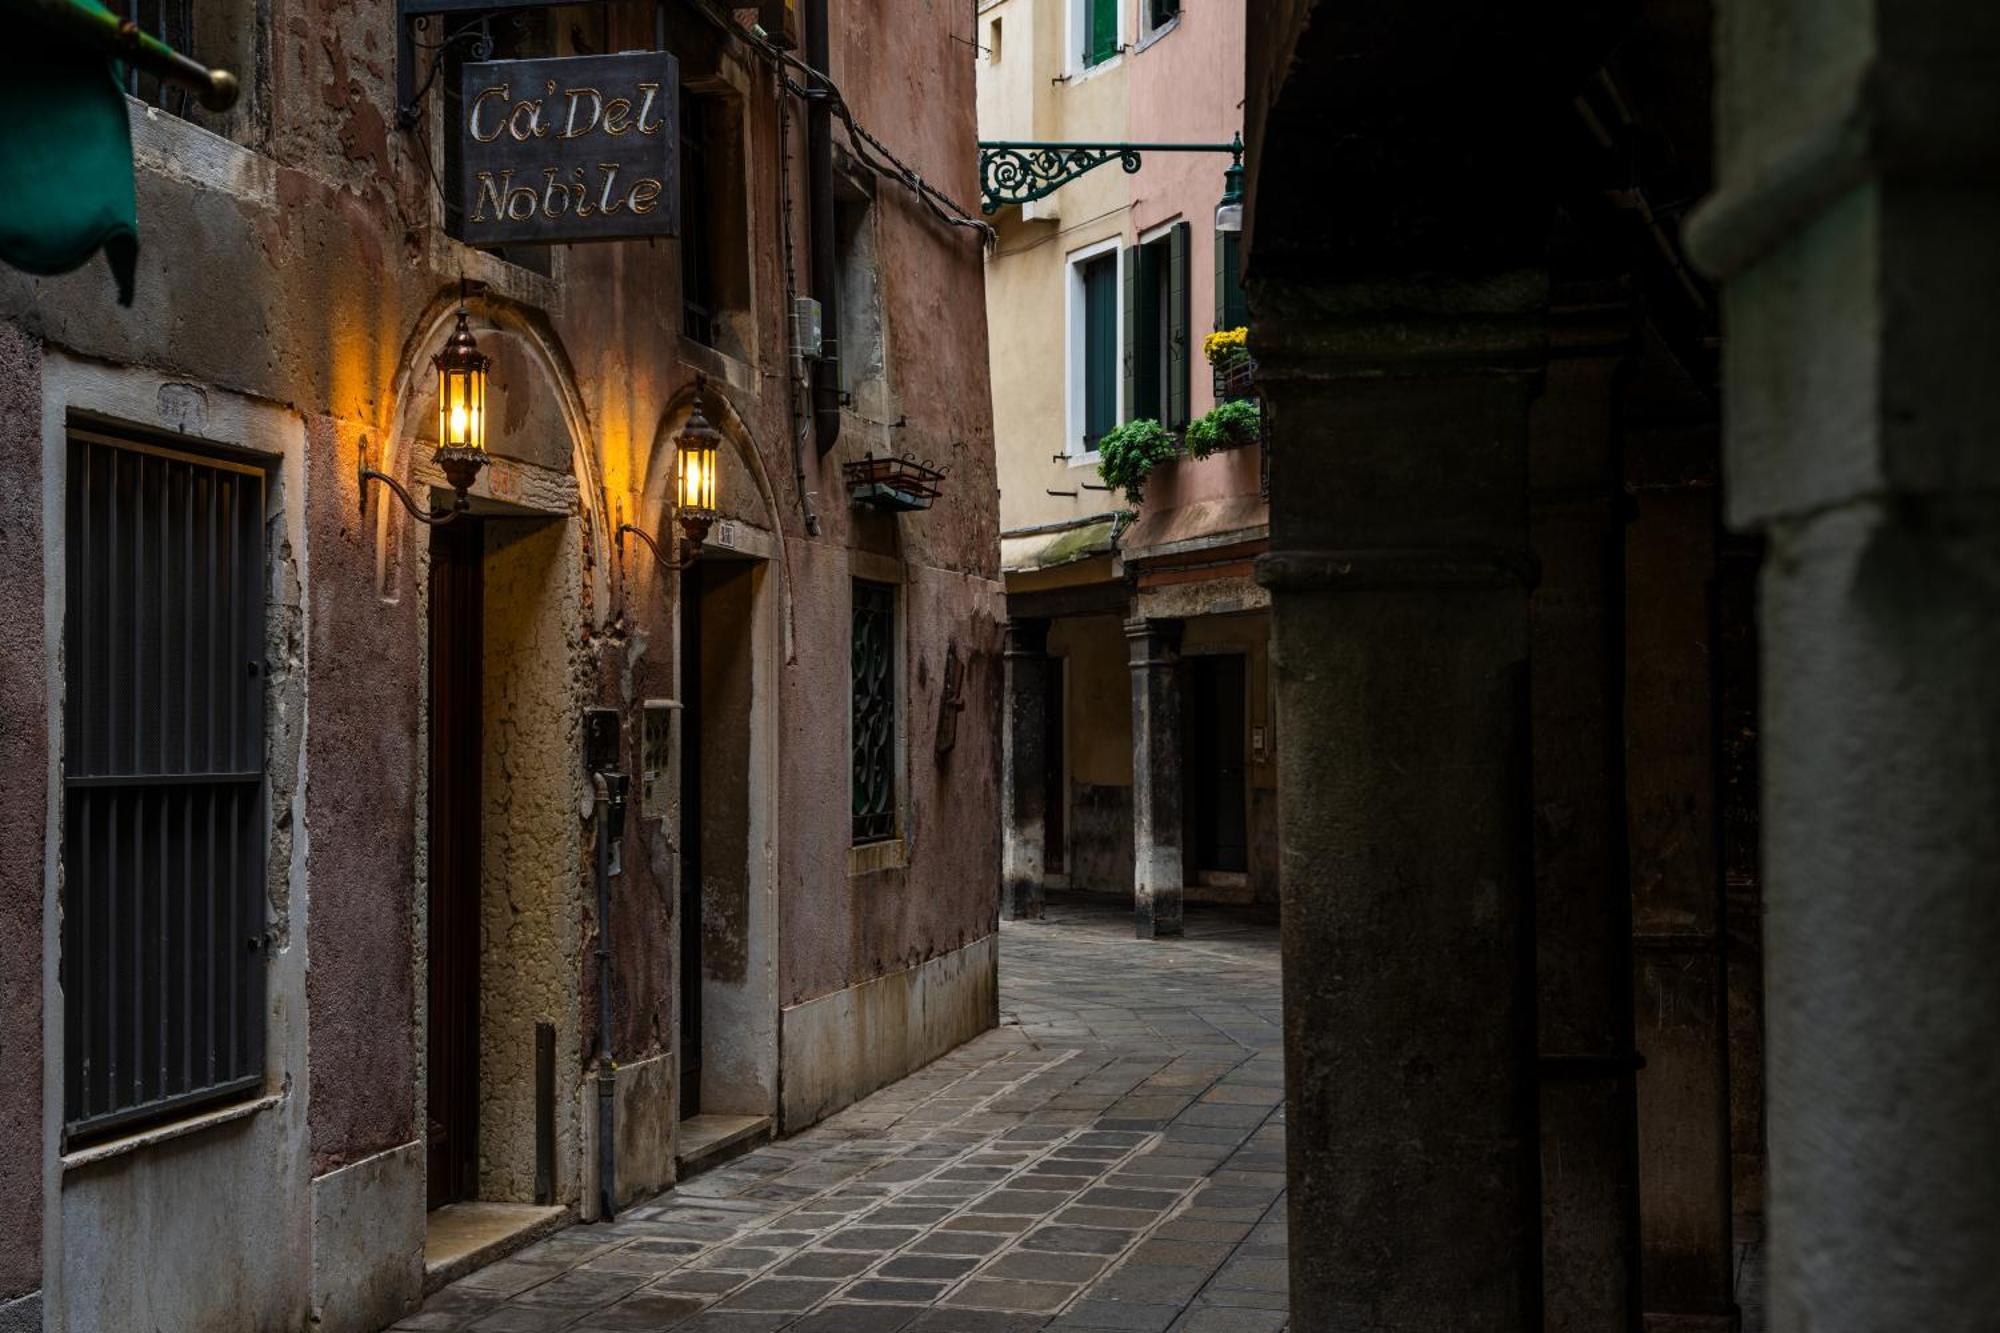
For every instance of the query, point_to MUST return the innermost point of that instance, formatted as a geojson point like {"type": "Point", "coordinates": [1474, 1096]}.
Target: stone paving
{"type": "Point", "coordinates": [1111, 1157]}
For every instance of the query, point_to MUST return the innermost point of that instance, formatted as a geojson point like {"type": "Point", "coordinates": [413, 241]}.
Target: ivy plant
{"type": "Point", "coordinates": [1127, 453]}
{"type": "Point", "coordinates": [1233, 423]}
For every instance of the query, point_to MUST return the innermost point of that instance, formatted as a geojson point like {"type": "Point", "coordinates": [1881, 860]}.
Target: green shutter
{"type": "Point", "coordinates": [1177, 322]}
{"type": "Point", "coordinates": [1100, 348]}
{"type": "Point", "coordinates": [1232, 311]}
{"type": "Point", "coordinates": [1133, 330]}
{"type": "Point", "coordinates": [1101, 42]}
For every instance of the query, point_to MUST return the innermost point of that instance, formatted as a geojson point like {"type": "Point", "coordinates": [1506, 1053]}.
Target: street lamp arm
{"type": "Point", "coordinates": [428, 517]}
{"type": "Point", "coordinates": [1019, 171]}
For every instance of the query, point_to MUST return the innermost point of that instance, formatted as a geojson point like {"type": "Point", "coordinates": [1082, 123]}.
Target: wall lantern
{"type": "Point", "coordinates": [461, 452]}
{"type": "Point", "coordinates": [695, 449]}
{"type": "Point", "coordinates": [1229, 213]}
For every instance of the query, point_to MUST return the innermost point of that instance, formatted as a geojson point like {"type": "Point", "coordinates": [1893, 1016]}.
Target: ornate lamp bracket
{"type": "Point", "coordinates": [694, 531]}
{"type": "Point", "coordinates": [1019, 171]}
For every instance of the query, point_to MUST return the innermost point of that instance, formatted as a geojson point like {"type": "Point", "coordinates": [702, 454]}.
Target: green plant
{"type": "Point", "coordinates": [1129, 452]}
{"type": "Point", "coordinates": [1232, 423]}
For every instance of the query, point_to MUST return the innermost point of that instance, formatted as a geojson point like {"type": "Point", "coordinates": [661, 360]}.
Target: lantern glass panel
{"type": "Point", "coordinates": [462, 408]}
{"type": "Point", "coordinates": [697, 478]}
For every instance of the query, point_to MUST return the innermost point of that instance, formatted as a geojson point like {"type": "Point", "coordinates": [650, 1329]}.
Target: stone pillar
{"type": "Point", "coordinates": [1399, 569]}
{"type": "Point", "coordinates": [1583, 948]}
{"type": "Point", "coordinates": [1024, 789]}
{"type": "Point", "coordinates": [1856, 224]}
{"type": "Point", "coordinates": [1156, 776]}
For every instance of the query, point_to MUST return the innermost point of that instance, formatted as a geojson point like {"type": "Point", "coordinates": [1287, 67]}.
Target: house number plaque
{"type": "Point", "coordinates": [585, 148]}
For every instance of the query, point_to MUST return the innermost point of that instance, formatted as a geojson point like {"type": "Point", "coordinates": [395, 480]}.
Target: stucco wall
{"type": "Point", "coordinates": [299, 265]}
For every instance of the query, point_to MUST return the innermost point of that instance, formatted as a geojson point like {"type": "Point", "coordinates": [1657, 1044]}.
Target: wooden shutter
{"type": "Point", "coordinates": [1176, 331]}
{"type": "Point", "coordinates": [1232, 311]}
{"type": "Point", "coordinates": [1100, 348]}
{"type": "Point", "coordinates": [1101, 43]}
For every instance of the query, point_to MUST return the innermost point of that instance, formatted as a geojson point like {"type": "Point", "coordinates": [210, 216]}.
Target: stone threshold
{"type": "Point", "coordinates": [705, 1141]}
{"type": "Point", "coordinates": [461, 1237]}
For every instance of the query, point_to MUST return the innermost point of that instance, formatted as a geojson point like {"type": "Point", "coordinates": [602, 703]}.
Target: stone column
{"type": "Point", "coordinates": [1856, 224]}
{"type": "Point", "coordinates": [1399, 568]}
{"type": "Point", "coordinates": [1156, 776]}
{"type": "Point", "coordinates": [1024, 788]}
{"type": "Point", "coordinates": [1583, 914]}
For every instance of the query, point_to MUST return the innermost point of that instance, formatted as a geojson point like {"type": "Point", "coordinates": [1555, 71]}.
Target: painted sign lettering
{"type": "Point", "coordinates": [585, 148]}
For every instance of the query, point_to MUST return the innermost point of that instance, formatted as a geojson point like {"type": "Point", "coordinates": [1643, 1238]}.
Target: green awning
{"type": "Point", "coordinates": [65, 145]}
{"type": "Point", "coordinates": [66, 152]}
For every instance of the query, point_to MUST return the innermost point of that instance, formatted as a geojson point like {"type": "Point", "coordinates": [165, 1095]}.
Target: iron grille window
{"type": "Point", "coordinates": [172, 21]}
{"type": "Point", "coordinates": [697, 282]}
{"type": "Point", "coordinates": [874, 711]}
{"type": "Point", "coordinates": [163, 752]}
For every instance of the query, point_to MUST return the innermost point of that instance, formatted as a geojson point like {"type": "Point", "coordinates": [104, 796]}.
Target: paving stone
{"type": "Point", "coordinates": [706, 1280]}
{"type": "Point", "coordinates": [876, 1239]}
{"type": "Point", "coordinates": [1076, 1240]}
{"type": "Point", "coordinates": [1254, 1274]}
{"type": "Point", "coordinates": [903, 1214]}
{"type": "Point", "coordinates": [1124, 1219]}
{"type": "Point", "coordinates": [642, 1312]}
{"type": "Point", "coordinates": [1014, 1201]}
{"type": "Point", "coordinates": [988, 1222]}
{"type": "Point", "coordinates": [1193, 1254]}
{"type": "Point", "coordinates": [1223, 1319]}
{"type": "Point", "coordinates": [513, 1318]}
{"type": "Point", "coordinates": [900, 1290]}
{"type": "Point", "coordinates": [928, 1266]}
{"type": "Point", "coordinates": [857, 1319]}
{"type": "Point", "coordinates": [1110, 1196]}
{"type": "Point", "coordinates": [826, 1263]}
{"type": "Point", "coordinates": [734, 1321]}
{"type": "Point", "coordinates": [975, 1321]}
{"type": "Point", "coordinates": [1150, 1284]}
{"type": "Point", "coordinates": [779, 1293]}
{"type": "Point", "coordinates": [1126, 1316]}
{"type": "Point", "coordinates": [1008, 1294]}
{"type": "Point", "coordinates": [959, 1242]}
{"type": "Point", "coordinates": [1042, 1266]}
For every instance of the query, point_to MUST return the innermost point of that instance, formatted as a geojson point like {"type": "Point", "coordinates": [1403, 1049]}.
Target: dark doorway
{"type": "Point", "coordinates": [452, 1033]}
{"type": "Point", "coordinates": [1055, 801]}
{"type": "Point", "coordinates": [690, 670]}
{"type": "Point", "coordinates": [1217, 802]}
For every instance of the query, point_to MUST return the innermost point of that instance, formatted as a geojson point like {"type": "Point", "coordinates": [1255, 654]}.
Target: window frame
{"type": "Point", "coordinates": [1151, 31]}
{"type": "Point", "coordinates": [892, 811]}
{"type": "Point", "coordinates": [88, 783]}
{"type": "Point", "coordinates": [1076, 346]}
{"type": "Point", "coordinates": [1083, 58]}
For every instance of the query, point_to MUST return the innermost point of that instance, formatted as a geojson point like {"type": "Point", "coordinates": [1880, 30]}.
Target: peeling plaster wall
{"type": "Point", "coordinates": [296, 261]}
{"type": "Point", "coordinates": [533, 852]}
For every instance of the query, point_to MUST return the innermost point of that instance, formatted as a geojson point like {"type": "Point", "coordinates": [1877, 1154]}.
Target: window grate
{"type": "Point", "coordinates": [163, 744]}
{"type": "Point", "coordinates": [172, 21]}
{"type": "Point", "coordinates": [874, 718]}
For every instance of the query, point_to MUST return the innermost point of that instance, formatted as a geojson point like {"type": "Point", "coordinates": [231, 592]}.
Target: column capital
{"type": "Point", "coordinates": [1155, 641]}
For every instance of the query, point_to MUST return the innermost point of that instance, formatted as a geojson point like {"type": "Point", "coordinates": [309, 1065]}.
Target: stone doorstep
{"type": "Point", "coordinates": [460, 1238]}
{"type": "Point", "coordinates": [705, 1141]}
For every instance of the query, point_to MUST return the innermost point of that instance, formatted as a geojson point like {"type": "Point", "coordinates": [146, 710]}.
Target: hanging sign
{"type": "Point", "coordinates": [585, 148]}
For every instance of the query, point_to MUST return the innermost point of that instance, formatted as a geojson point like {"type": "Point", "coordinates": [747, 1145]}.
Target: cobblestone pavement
{"type": "Point", "coordinates": [1111, 1157]}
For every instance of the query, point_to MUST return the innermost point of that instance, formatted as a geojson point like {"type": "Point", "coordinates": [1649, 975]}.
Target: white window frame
{"type": "Point", "coordinates": [1074, 344]}
{"type": "Point", "coordinates": [1077, 25]}
{"type": "Point", "coordinates": [1148, 34]}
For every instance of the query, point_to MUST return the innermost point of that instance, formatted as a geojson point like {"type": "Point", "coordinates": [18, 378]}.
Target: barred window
{"type": "Point", "coordinates": [163, 742]}
{"type": "Point", "coordinates": [874, 719]}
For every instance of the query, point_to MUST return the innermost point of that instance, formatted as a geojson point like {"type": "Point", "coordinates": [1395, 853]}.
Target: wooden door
{"type": "Point", "coordinates": [1217, 814]}
{"type": "Point", "coordinates": [690, 898]}
{"type": "Point", "coordinates": [452, 1036]}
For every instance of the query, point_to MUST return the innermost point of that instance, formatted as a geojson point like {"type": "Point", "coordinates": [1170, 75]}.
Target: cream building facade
{"type": "Point", "coordinates": [1141, 742]}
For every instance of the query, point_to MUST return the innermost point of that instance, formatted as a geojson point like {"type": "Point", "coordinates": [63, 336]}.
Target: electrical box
{"type": "Point", "coordinates": [600, 740]}
{"type": "Point", "coordinates": [656, 752]}
{"type": "Point", "coordinates": [808, 340]}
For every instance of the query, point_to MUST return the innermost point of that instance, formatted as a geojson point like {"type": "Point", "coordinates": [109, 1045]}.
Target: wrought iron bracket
{"type": "Point", "coordinates": [461, 468]}
{"type": "Point", "coordinates": [1020, 171]}
{"type": "Point", "coordinates": [694, 531]}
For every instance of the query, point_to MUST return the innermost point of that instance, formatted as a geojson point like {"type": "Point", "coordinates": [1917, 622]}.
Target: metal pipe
{"type": "Point", "coordinates": [610, 793]}
{"type": "Point", "coordinates": [819, 197]}
{"type": "Point", "coordinates": [122, 39]}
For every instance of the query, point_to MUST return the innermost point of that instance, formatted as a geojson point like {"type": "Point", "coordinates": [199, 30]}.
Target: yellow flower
{"type": "Point", "coordinates": [1224, 342]}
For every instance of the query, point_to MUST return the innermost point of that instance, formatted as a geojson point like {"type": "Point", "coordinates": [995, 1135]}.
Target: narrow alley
{"type": "Point", "coordinates": [1110, 1157]}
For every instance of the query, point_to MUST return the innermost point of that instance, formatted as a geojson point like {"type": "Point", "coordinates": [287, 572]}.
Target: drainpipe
{"type": "Point", "coordinates": [610, 791]}
{"type": "Point", "coordinates": [819, 204]}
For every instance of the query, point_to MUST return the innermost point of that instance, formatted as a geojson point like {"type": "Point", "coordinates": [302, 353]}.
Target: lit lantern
{"type": "Point", "coordinates": [461, 372]}
{"type": "Point", "coordinates": [695, 448]}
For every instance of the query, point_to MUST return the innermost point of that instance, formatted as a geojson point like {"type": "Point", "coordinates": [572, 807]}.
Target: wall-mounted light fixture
{"type": "Point", "coordinates": [461, 452]}
{"type": "Point", "coordinates": [1229, 212]}
{"type": "Point", "coordinates": [694, 490]}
